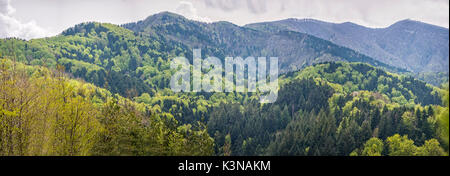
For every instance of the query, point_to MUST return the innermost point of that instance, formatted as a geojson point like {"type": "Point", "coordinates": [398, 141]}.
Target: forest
{"type": "Point", "coordinates": [102, 89]}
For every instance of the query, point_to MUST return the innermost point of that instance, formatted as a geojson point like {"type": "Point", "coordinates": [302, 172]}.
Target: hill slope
{"type": "Point", "coordinates": [135, 59]}
{"type": "Point", "coordinates": [294, 50]}
{"type": "Point", "coordinates": [416, 46]}
{"type": "Point", "coordinates": [328, 108]}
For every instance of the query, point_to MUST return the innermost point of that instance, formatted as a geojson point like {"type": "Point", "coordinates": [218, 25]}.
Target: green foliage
{"type": "Point", "coordinates": [443, 118]}
{"type": "Point", "coordinates": [430, 148]}
{"type": "Point", "coordinates": [358, 76]}
{"type": "Point", "coordinates": [434, 78]}
{"type": "Point", "coordinates": [331, 108]}
{"type": "Point", "coordinates": [42, 112]}
{"type": "Point", "coordinates": [373, 147]}
{"type": "Point", "coordinates": [106, 55]}
{"type": "Point", "coordinates": [397, 145]}
{"type": "Point", "coordinates": [400, 146]}
{"type": "Point", "coordinates": [307, 134]}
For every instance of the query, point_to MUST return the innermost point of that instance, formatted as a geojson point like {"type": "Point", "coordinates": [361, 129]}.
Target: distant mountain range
{"type": "Point", "coordinates": [411, 45]}
{"type": "Point", "coordinates": [295, 50]}
{"type": "Point", "coordinates": [416, 46]}
{"type": "Point", "coordinates": [334, 107]}
{"type": "Point", "coordinates": [141, 50]}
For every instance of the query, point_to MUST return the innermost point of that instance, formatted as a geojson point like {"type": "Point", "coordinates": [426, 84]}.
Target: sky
{"type": "Point", "coordinates": [30, 19]}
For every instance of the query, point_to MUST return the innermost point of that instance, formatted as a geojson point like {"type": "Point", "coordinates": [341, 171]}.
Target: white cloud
{"type": "Point", "coordinates": [253, 6]}
{"type": "Point", "coordinates": [257, 6]}
{"type": "Point", "coordinates": [380, 13]}
{"type": "Point", "coordinates": [58, 15]}
{"type": "Point", "coordinates": [12, 27]}
{"type": "Point", "coordinates": [6, 8]}
{"type": "Point", "coordinates": [188, 10]}
{"type": "Point", "coordinates": [225, 5]}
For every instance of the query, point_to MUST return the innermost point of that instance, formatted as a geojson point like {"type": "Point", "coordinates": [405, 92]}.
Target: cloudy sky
{"type": "Point", "coordinates": [39, 18]}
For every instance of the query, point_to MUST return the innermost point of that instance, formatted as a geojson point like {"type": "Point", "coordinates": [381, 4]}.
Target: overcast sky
{"type": "Point", "coordinates": [39, 18]}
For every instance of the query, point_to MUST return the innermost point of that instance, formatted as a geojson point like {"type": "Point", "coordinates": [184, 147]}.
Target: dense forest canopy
{"type": "Point", "coordinates": [103, 89]}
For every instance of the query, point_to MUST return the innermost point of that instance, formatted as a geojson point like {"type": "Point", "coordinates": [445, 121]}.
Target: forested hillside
{"type": "Point", "coordinates": [414, 45]}
{"type": "Point", "coordinates": [103, 89]}
{"type": "Point", "coordinates": [331, 109]}
{"type": "Point", "coordinates": [103, 54]}
{"type": "Point", "coordinates": [42, 112]}
{"type": "Point", "coordinates": [221, 39]}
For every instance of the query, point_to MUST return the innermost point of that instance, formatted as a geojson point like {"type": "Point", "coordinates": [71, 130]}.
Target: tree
{"type": "Point", "coordinates": [373, 147]}
{"type": "Point", "coordinates": [227, 146]}
{"type": "Point", "coordinates": [400, 146]}
{"type": "Point", "coordinates": [430, 148]}
{"type": "Point", "coordinates": [346, 133]}
{"type": "Point", "coordinates": [443, 119]}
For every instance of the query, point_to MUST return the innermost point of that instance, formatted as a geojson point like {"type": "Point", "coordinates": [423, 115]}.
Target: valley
{"type": "Point", "coordinates": [104, 89]}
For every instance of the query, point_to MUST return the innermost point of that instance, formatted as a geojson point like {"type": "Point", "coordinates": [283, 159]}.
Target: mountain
{"type": "Point", "coordinates": [294, 50]}
{"type": "Point", "coordinates": [335, 107]}
{"type": "Point", "coordinates": [328, 109]}
{"type": "Point", "coordinates": [63, 116]}
{"type": "Point", "coordinates": [416, 46]}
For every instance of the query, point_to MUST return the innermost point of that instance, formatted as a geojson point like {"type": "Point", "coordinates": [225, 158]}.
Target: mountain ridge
{"type": "Point", "coordinates": [407, 43]}
{"type": "Point", "coordinates": [168, 31]}
{"type": "Point", "coordinates": [322, 108]}
{"type": "Point", "coordinates": [228, 38]}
